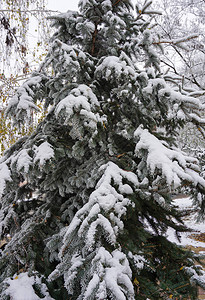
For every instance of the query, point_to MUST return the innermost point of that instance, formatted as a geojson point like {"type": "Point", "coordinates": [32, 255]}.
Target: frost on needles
{"type": "Point", "coordinates": [86, 199]}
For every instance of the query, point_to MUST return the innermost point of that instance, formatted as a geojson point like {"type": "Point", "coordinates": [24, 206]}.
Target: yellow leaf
{"type": "Point", "coordinates": [170, 296]}
{"type": "Point", "coordinates": [16, 277]}
{"type": "Point", "coordinates": [136, 282]}
{"type": "Point", "coordinates": [21, 270]}
{"type": "Point", "coordinates": [140, 11]}
{"type": "Point", "coordinates": [120, 155]}
{"type": "Point", "coordinates": [181, 268]}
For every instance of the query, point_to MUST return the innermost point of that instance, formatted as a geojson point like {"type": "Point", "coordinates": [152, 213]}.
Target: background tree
{"type": "Point", "coordinates": [184, 20]}
{"type": "Point", "coordinates": [24, 34]}
{"type": "Point", "coordinates": [86, 198]}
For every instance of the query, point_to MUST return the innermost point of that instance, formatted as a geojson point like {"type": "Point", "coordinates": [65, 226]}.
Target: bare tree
{"type": "Point", "coordinates": [184, 20]}
{"type": "Point", "coordinates": [24, 35]}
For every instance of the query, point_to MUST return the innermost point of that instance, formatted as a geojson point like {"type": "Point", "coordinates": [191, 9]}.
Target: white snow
{"type": "Point", "coordinates": [111, 274]}
{"type": "Point", "coordinates": [117, 271]}
{"type": "Point", "coordinates": [113, 270]}
{"type": "Point", "coordinates": [43, 153]}
{"type": "Point", "coordinates": [21, 288]}
{"type": "Point", "coordinates": [115, 67]}
{"type": "Point", "coordinates": [4, 176]}
{"type": "Point", "coordinates": [76, 263]}
{"type": "Point", "coordinates": [195, 277]}
{"type": "Point", "coordinates": [81, 100]}
{"type": "Point", "coordinates": [91, 286]}
{"type": "Point", "coordinates": [107, 4]}
{"type": "Point", "coordinates": [139, 260]}
{"type": "Point", "coordinates": [183, 104]}
{"type": "Point", "coordinates": [90, 25]}
{"type": "Point", "coordinates": [190, 221]}
{"type": "Point", "coordinates": [70, 103]}
{"type": "Point", "coordinates": [113, 19]}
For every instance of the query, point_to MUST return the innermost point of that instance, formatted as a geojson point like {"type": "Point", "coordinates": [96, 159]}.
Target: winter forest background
{"type": "Point", "coordinates": [102, 126]}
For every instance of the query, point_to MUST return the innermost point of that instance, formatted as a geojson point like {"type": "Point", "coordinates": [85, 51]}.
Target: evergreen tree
{"type": "Point", "coordinates": [86, 199]}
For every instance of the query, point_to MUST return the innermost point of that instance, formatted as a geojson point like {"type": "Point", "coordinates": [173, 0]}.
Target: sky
{"type": "Point", "coordinates": [64, 5]}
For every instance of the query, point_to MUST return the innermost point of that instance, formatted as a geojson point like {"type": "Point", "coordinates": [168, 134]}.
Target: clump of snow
{"type": "Point", "coordinates": [43, 153]}
{"type": "Point", "coordinates": [153, 84]}
{"type": "Point", "coordinates": [90, 26]}
{"type": "Point", "coordinates": [106, 5]}
{"type": "Point", "coordinates": [139, 260]}
{"type": "Point", "coordinates": [117, 271]}
{"type": "Point", "coordinates": [115, 67]}
{"type": "Point", "coordinates": [21, 288]}
{"type": "Point", "coordinates": [71, 51]}
{"type": "Point", "coordinates": [83, 3]}
{"type": "Point", "coordinates": [114, 19]}
{"type": "Point", "coordinates": [71, 102]}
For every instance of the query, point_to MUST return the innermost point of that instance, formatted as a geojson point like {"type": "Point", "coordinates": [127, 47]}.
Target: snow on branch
{"type": "Point", "coordinates": [106, 199]}
{"type": "Point", "coordinates": [110, 271]}
{"type": "Point", "coordinates": [115, 68]}
{"type": "Point", "coordinates": [83, 101]}
{"type": "Point", "coordinates": [196, 278]}
{"type": "Point", "coordinates": [174, 165]}
{"type": "Point", "coordinates": [69, 57]}
{"type": "Point", "coordinates": [176, 41]}
{"type": "Point", "coordinates": [22, 161]}
{"type": "Point", "coordinates": [43, 153]}
{"type": "Point", "coordinates": [21, 287]}
{"type": "Point", "coordinates": [185, 106]}
{"type": "Point", "coordinates": [4, 176]}
{"type": "Point", "coordinates": [22, 103]}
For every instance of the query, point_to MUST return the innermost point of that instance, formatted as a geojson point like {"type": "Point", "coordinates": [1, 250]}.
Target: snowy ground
{"type": "Point", "coordinates": [185, 204]}
{"type": "Point", "coordinates": [197, 242]}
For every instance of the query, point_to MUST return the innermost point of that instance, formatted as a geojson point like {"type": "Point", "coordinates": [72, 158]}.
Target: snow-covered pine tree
{"type": "Point", "coordinates": [86, 199]}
